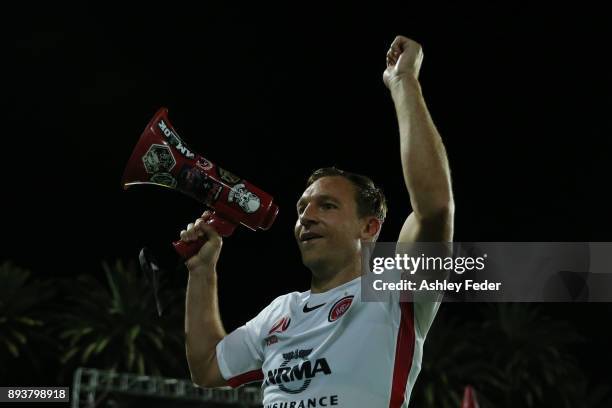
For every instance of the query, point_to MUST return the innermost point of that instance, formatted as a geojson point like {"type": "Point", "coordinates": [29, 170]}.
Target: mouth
{"type": "Point", "coordinates": [309, 237]}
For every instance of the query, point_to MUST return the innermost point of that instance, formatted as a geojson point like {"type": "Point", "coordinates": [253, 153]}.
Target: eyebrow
{"type": "Point", "coordinates": [319, 197]}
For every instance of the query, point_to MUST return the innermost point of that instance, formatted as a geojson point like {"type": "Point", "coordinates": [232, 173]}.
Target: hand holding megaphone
{"type": "Point", "coordinates": [162, 158]}
{"type": "Point", "coordinates": [205, 238]}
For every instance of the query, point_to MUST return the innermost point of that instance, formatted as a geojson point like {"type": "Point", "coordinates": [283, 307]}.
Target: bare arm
{"type": "Point", "coordinates": [424, 161]}
{"type": "Point", "coordinates": [203, 327]}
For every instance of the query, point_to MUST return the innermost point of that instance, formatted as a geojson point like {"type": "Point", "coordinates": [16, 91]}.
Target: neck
{"type": "Point", "coordinates": [324, 280]}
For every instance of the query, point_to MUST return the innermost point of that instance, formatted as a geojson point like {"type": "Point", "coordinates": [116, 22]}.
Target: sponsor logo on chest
{"type": "Point", "coordinates": [296, 372]}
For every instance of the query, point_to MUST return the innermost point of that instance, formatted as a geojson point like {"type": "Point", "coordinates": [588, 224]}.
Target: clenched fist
{"type": "Point", "coordinates": [208, 255]}
{"type": "Point", "coordinates": [404, 58]}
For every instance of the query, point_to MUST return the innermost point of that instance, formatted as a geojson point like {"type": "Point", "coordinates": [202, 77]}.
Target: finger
{"type": "Point", "coordinates": [401, 44]}
{"type": "Point", "coordinates": [192, 232]}
{"type": "Point", "coordinates": [395, 49]}
{"type": "Point", "coordinates": [196, 228]}
{"type": "Point", "coordinates": [399, 41]}
{"type": "Point", "coordinates": [207, 229]}
{"type": "Point", "coordinates": [187, 236]}
{"type": "Point", "coordinates": [209, 232]}
{"type": "Point", "coordinates": [204, 220]}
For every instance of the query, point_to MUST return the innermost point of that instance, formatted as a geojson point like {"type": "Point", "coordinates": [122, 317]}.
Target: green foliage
{"type": "Point", "coordinates": [512, 353]}
{"type": "Point", "coordinates": [531, 351]}
{"type": "Point", "coordinates": [450, 362]}
{"type": "Point", "coordinates": [116, 326]}
{"type": "Point", "coordinates": [23, 341]}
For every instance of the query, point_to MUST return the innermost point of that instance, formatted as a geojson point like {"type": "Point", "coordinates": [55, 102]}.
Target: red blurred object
{"type": "Point", "coordinates": [162, 158]}
{"type": "Point", "coordinates": [469, 398]}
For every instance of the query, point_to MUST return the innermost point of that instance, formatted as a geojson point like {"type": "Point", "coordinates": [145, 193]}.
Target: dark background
{"type": "Point", "coordinates": [519, 95]}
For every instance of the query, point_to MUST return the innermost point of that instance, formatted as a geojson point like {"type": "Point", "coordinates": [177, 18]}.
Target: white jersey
{"type": "Point", "coordinates": [330, 350]}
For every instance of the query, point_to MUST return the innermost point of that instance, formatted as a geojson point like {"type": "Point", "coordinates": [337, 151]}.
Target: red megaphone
{"type": "Point", "coordinates": [162, 158]}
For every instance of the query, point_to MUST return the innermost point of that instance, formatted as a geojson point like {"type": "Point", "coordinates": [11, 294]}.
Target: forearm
{"type": "Point", "coordinates": [424, 161]}
{"type": "Point", "coordinates": [203, 327]}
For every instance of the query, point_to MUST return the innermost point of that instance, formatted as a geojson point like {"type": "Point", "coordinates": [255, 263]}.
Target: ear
{"type": "Point", "coordinates": [371, 229]}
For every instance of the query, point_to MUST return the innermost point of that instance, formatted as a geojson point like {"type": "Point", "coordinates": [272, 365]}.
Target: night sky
{"type": "Point", "coordinates": [520, 96]}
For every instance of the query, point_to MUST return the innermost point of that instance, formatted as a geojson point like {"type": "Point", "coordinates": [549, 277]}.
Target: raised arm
{"type": "Point", "coordinates": [424, 161]}
{"type": "Point", "coordinates": [203, 327]}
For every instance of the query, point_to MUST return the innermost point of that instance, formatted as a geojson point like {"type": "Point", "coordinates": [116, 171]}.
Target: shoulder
{"type": "Point", "coordinates": [287, 298]}
{"type": "Point", "coordinates": [282, 304]}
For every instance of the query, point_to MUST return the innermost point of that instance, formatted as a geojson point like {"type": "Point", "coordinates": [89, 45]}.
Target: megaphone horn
{"type": "Point", "coordinates": [162, 158]}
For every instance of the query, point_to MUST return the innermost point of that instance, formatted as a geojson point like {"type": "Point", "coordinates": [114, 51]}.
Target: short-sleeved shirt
{"type": "Point", "coordinates": [330, 349]}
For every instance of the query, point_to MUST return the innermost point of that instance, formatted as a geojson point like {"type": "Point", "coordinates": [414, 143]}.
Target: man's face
{"type": "Point", "coordinates": [328, 229]}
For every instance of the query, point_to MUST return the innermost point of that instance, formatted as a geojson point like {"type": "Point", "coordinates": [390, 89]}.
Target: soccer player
{"type": "Point", "coordinates": [325, 347]}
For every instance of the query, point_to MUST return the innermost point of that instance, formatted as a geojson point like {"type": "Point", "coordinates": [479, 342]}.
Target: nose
{"type": "Point", "coordinates": [309, 216]}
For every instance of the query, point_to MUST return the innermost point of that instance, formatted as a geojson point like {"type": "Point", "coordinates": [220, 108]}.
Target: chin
{"type": "Point", "coordinates": [310, 260]}
{"type": "Point", "coordinates": [313, 261]}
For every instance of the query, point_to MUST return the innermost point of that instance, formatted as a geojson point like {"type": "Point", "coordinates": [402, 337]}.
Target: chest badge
{"type": "Point", "coordinates": [339, 308]}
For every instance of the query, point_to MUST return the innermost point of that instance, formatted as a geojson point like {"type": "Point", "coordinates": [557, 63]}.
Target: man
{"type": "Point", "coordinates": [325, 347]}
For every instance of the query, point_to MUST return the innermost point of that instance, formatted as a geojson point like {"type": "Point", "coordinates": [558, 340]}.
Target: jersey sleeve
{"type": "Point", "coordinates": [240, 353]}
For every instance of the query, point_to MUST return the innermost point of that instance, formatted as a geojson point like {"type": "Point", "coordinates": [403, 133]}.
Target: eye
{"type": "Point", "coordinates": [328, 206]}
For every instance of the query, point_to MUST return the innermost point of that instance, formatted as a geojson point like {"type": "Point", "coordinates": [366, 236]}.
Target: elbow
{"type": "Point", "coordinates": [439, 224]}
{"type": "Point", "coordinates": [204, 370]}
{"type": "Point", "coordinates": [441, 213]}
{"type": "Point", "coordinates": [201, 381]}
{"type": "Point", "coordinates": [202, 361]}
{"type": "Point", "coordinates": [199, 368]}
{"type": "Point", "coordinates": [196, 372]}
{"type": "Point", "coordinates": [198, 380]}
{"type": "Point", "coordinates": [433, 204]}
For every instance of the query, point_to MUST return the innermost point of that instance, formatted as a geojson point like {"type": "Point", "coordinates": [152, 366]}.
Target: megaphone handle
{"type": "Point", "coordinates": [188, 249]}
